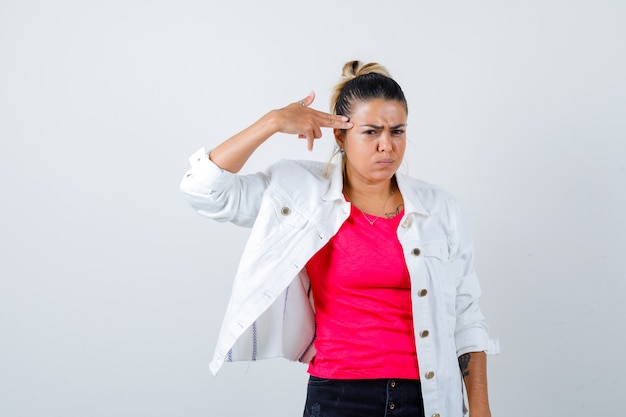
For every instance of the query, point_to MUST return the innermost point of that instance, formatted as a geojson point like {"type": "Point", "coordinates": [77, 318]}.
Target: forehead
{"type": "Point", "coordinates": [391, 111]}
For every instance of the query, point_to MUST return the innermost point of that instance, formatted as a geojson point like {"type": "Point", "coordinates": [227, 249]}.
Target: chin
{"type": "Point", "coordinates": [385, 177]}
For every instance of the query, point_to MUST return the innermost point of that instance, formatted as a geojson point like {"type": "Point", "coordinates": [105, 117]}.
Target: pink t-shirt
{"type": "Point", "coordinates": [362, 294]}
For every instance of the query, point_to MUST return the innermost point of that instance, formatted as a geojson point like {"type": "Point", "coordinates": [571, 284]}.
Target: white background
{"type": "Point", "coordinates": [112, 290]}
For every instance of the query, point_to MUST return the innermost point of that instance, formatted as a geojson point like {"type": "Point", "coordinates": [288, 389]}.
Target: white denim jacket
{"type": "Point", "coordinates": [294, 209]}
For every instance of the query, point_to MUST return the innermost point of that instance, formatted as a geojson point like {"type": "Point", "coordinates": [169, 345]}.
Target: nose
{"type": "Point", "coordinates": [384, 142]}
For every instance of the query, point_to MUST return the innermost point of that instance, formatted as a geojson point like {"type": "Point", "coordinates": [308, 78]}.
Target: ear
{"type": "Point", "coordinates": [339, 137]}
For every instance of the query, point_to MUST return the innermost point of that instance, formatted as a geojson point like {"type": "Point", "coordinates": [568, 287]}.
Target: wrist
{"type": "Point", "coordinates": [270, 122]}
{"type": "Point", "coordinates": [479, 412]}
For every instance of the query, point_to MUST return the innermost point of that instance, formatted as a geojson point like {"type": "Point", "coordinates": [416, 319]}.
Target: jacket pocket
{"type": "Point", "coordinates": [278, 221]}
{"type": "Point", "coordinates": [437, 259]}
{"type": "Point", "coordinates": [435, 250]}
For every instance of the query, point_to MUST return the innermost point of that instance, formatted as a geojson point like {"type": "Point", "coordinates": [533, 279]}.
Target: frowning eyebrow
{"type": "Point", "coordinates": [381, 127]}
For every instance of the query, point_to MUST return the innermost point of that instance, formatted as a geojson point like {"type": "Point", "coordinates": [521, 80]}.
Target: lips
{"type": "Point", "coordinates": [385, 162]}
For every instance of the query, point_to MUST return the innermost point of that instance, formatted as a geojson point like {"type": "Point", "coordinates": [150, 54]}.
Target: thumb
{"type": "Point", "coordinates": [308, 100]}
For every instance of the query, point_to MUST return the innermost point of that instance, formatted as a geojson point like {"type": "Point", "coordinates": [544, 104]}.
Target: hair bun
{"type": "Point", "coordinates": [361, 81]}
{"type": "Point", "coordinates": [353, 69]}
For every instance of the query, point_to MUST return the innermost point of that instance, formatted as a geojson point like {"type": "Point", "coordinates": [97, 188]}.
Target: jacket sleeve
{"type": "Point", "coordinates": [221, 195]}
{"type": "Point", "coordinates": [471, 331]}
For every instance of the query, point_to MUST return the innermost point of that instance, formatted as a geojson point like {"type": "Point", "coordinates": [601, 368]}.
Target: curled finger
{"type": "Point", "coordinates": [317, 132]}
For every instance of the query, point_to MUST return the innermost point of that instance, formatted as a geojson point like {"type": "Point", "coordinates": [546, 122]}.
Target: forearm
{"type": "Point", "coordinates": [474, 370]}
{"type": "Point", "coordinates": [232, 154]}
{"type": "Point", "coordinates": [294, 119]}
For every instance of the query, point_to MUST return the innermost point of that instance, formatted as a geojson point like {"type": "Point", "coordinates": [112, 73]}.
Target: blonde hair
{"type": "Point", "coordinates": [349, 72]}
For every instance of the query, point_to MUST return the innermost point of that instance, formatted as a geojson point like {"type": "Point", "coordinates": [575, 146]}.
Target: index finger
{"type": "Point", "coordinates": [334, 121]}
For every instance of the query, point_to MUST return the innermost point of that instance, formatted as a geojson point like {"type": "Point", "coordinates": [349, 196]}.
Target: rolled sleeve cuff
{"type": "Point", "coordinates": [474, 340]}
{"type": "Point", "coordinates": [204, 177]}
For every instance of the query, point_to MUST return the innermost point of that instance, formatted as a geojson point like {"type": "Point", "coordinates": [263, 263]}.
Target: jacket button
{"type": "Point", "coordinates": [430, 375]}
{"type": "Point", "coordinates": [416, 251]}
{"type": "Point", "coordinates": [424, 333]}
{"type": "Point", "coordinates": [285, 211]}
{"type": "Point", "coordinates": [436, 415]}
{"type": "Point", "coordinates": [406, 223]}
{"type": "Point", "coordinates": [422, 293]}
{"type": "Point", "coordinates": [392, 406]}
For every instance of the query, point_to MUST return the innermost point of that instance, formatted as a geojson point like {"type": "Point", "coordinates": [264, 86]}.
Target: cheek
{"type": "Point", "coordinates": [355, 155]}
{"type": "Point", "coordinates": [355, 146]}
{"type": "Point", "coordinates": [358, 155]}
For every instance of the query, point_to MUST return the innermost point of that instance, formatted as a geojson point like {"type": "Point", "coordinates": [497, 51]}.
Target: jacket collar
{"type": "Point", "coordinates": [411, 196]}
{"type": "Point", "coordinates": [412, 199]}
{"type": "Point", "coordinates": [335, 186]}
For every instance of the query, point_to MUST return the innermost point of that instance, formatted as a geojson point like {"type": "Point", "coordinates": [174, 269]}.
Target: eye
{"type": "Point", "coordinates": [398, 132]}
{"type": "Point", "coordinates": [370, 132]}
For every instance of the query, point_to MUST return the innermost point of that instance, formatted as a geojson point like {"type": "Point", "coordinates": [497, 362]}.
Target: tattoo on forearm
{"type": "Point", "coordinates": [464, 364]}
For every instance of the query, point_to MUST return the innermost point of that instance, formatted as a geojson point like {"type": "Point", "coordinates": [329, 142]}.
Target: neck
{"type": "Point", "coordinates": [378, 200]}
{"type": "Point", "coordinates": [370, 191]}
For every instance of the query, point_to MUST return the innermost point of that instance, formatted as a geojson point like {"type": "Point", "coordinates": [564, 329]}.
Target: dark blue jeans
{"type": "Point", "coordinates": [363, 398]}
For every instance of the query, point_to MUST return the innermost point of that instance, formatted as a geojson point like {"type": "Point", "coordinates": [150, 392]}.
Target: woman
{"type": "Point", "coordinates": [362, 272]}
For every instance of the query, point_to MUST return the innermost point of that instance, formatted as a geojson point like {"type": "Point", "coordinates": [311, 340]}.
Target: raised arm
{"type": "Point", "coordinates": [296, 118]}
